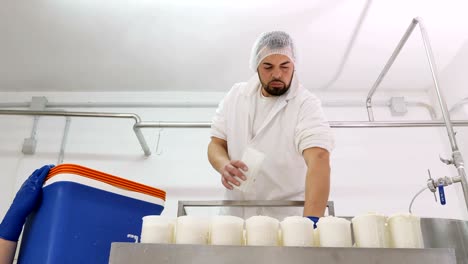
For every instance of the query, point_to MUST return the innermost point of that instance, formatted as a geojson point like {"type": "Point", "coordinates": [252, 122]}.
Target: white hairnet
{"type": "Point", "coordinates": [273, 42]}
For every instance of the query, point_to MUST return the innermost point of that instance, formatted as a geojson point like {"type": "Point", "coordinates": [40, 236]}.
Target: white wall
{"type": "Point", "coordinates": [373, 169]}
{"type": "Point", "coordinates": [453, 78]}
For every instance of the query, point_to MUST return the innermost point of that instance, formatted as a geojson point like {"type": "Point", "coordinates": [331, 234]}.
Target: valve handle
{"type": "Point", "coordinates": [430, 179]}
{"type": "Point", "coordinates": [442, 194]}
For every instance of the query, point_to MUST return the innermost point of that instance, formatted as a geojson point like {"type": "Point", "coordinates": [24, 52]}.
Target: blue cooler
{"type": "Point", "coordinates": [82, 212]}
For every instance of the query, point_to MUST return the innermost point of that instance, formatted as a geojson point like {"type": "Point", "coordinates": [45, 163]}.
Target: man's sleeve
{"type": "Point", "coordinates": [218, 123]}
{"type": "Point", "coordinates": [312, 129]}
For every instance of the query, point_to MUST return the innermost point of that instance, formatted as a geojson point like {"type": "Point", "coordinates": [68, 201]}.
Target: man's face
{"type": "Point", "coordinates": [275, 73]}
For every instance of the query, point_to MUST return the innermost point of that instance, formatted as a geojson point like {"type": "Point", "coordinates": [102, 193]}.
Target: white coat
{"type": "Point", "coordinates": [296, 122]}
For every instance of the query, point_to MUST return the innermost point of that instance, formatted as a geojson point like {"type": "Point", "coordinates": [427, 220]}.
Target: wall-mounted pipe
{"type": "Point", "coordinates": [333, 124]}
{"type": "Point", "coordinates": [427, 106]}
{"type": "Point", "coordinates": [64, 140]}
{"type": "Point", "coordinates": [15, 105]}
{"type": "Point", "coordinates": [325, 103]}
{"type": "Point", "coordinates": [135, 117]}
{"type": "Point", "coordinates": [163, 124]}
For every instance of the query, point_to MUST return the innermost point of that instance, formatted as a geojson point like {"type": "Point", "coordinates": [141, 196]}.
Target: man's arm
{"type": "Point", "coordinates": [26, 200]}
{"type": "Point", "coordinates": [7, 251]}
{"type": "Point", "coordinates": [218, 153]}
{"type": "Point", "coordinates": [219, 159]}
{"type": "Point", "coordinates": [317, 187]}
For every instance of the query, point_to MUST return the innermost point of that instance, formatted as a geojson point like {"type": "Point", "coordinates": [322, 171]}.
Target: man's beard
{"type": "Point", "coordinates": [275, 91]}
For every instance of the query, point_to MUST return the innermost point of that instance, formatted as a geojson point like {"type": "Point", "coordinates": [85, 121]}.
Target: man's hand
{"type": "Point", "coordinates": [26, 200]}
{"type": "Point", "coordinates": [230, 171]}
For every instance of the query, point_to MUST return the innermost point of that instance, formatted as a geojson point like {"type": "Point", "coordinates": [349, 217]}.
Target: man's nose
{"type": "Point", "coordinates": [276, 74]}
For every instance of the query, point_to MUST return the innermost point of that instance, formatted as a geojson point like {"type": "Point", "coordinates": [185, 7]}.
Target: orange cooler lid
{"type": "Point", "coordinates": [106, 178]}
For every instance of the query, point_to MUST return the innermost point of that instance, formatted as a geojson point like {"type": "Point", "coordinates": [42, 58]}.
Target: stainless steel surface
{"type": "Point", "coordinates": [446, 233]}
{"type": "Point", "coordinates": [250, 203]}
{"type": "Point", "coordinates": [135, 117]}
{"type": "Point", "coordinates": [124, 253]}
{"type": "Point", "coordinates": [387, 68]}
{"type": "Point", "coordinates": [456, 155]}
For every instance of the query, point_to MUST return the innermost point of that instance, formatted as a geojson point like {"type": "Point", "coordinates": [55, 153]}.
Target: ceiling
{"type": "Point", "coordinates": [186, 45]}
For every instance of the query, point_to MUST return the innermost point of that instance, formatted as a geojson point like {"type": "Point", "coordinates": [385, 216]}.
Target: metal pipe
{"type": "Point", "coordinates": [138, 104]}
{"type": "Point", "coordinates": [331, 103]}
{"type": "Point", "coordinates": [72, 114]}
{"type": "Point", "coordinates": [117, 105]}
{"type": "Point", "coordinates": [199, 105]}
{"type": "Point", "coordinates": [333, 124]}
{"type": "Point", "coordinates": [64, 140]}
{"type": "Point", "coordinates": [440, 96]}
{"type": "Point", "coordinates": [428, 107]}
{"type": "Point", "coordinates": [10, 105]}
{"type": "Point", "coordinates": [34, 128]}
{"type": "Point", "coordinates": [385, 124]}
{"type": "Point", "coordinates": [133, 116]}
{"type": "Point", "coordinates": [457, 157]}
{"type": "Point", "coordinates": [387, 68]}
{"type": "Point", "coordinates": [141, 139]}
{"type": "Point", "coordinates": [382, 103]}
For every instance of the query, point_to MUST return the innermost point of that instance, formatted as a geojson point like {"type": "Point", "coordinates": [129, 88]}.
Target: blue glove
{"type": "Point", "coordinates": [314, 219]}
{"type": "Point", "coordinates": [26, 200]}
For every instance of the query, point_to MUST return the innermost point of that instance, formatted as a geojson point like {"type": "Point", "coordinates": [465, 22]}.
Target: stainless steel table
{"type": "Point", "coordinates": [124, 253]}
